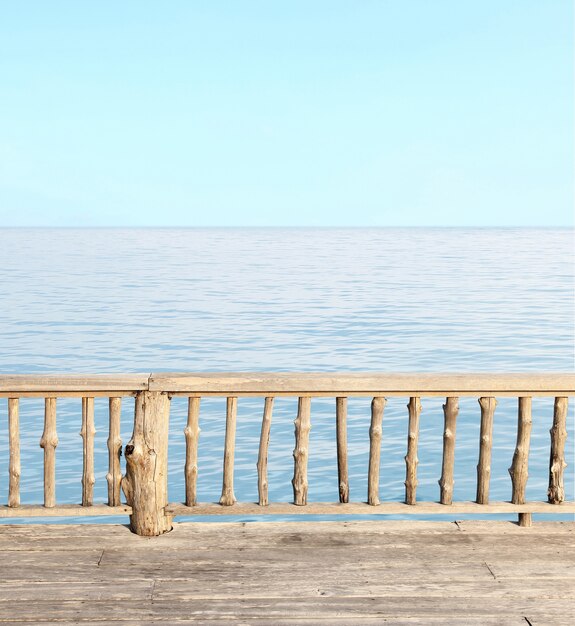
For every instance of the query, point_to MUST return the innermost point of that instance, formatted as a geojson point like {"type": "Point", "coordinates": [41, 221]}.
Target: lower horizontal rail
{"type": "Point", "coordinates": [360, 508]}
{"type": "Point", "coordinates": [64, 510]}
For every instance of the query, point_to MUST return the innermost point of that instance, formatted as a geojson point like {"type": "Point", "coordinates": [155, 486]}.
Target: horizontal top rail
{"type": "Point", "coordinates": [364, 383]}
{"type": "Point", "coordinates": [73, 384]}
{"type": "Point", "coordinates": [292, 383]}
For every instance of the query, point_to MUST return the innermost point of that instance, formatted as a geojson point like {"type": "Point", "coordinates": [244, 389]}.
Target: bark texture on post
{"type": "Point", "coordinates": [87, 433]}
{"type": "Point", "coordinates": [556, 491]}
{"type": "Point", "coordinates": [192, 435]}
{"type": "Point", "coordinates": [450, 412]}
{"type": "Point", "coordinates": [375, 432]}
{"type": "Point", "coordinates": [411, 460]}
{"type": "Point", "coordinates": [114, 475]}
{"type": "Point", "coordinates": [485, 446]}
{"type": "Point", "coordinates": [146, 481]}
{"type": "Point", "coordinates": [301, 451]}
{"type": "Point", "coordinates": [228, 498]}
{"type": "Point", "coordinates": [14, 445]}
{"type": "Point", "coordinates": [519, 467]}
{"type": "Point", "coordinates": [262, 464]}
{"type": "Point", "coordinates": [341, 437]}
{"type": "Point", "coordinates": [49, 442]}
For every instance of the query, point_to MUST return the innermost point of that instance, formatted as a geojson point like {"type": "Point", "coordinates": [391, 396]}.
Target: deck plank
{"type": "Point", "coordinates": [397, 572]}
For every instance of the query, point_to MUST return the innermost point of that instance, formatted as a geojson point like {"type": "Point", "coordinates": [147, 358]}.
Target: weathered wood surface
{"type": "Point", "coordinates": [375, 434]}
{"type": "Point", "coordinates": [63, 510]}
{"type": "Point", "coordinates": [145, 484]}
{"type": "Point", "coordinates": [114, 475]}
{"type": "Point", "coordinates": [48, 443]}
{"type": "Point", "coordinates": [262, 464]}
{"type": "Point", "coordinates": [87, 433]}
{"type": "Point", "coordinates": [485, 447]}
{"type": "Point", "coordinates": [446, 482]}
{"type": "Point", "coordinates": [362, 508]}
{"type": "Point", "coordinates": [557, 463]}
{"type": "Point", "coordinates": [411, 460]}
{"type": "Point", "coordinates": [519, 467]}
{"type": "Point", "coordinates": [79, 384]}
{"type": "Point", "coordinates": [341, 439]}
{"type": "Point", "coordinates": [302, 427]}
{"type": "Point", "coordinates": [366, 384]}
{"type": "Point", "coordinates": [228, 498]}
{"type": "Point", "coordinates": [286, 573]}
{"type": "Point", "coordinates": [14, 452]}
{"type": "Point", "coordinates": [192, 435]}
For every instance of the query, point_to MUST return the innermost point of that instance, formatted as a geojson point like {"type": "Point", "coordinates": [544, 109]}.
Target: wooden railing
{"type": "Point", "coordinates": [145, 483]}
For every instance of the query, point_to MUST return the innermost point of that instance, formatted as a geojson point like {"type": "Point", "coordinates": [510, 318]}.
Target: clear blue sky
{"type": "Point", "coordinates": [328, 113]}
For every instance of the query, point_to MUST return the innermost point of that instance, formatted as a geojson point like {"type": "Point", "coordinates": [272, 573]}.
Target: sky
{"type": "Point", "coordinates": [287, 113]}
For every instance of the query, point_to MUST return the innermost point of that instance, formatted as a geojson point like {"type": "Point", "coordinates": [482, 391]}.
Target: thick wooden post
{"type": "Point", "coordinates": [146, 481]}
{"type": "Point", "coordinates": [556, 491]}
{"type": "Point", "coordinates": [519, 467]}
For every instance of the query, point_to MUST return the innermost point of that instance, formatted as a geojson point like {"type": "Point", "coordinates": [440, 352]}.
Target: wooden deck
{"type": "Point", "coordinates": [291, 573]}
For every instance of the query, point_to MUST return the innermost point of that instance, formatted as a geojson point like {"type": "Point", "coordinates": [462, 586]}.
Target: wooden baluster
{"type": "Point", "coordinates": [556, 491]}
{"type": "Point", "coordinates": [375, 431]}
{"type": "Point", "coordinates": [114, 475]}
{"type": "Point", "coordinates": [228, 498]}
{"type": "Point", "coordinates": [519, 467]}
{"type": "Point", "coordinates": [14, 447]}
{"type": "Point", "coordinates": [411, 460]}
{"type": "Point", "coordinates": [49, 442]}
{"type": "Point", "coordinates": [262, 464]}
{"type": "Point", "coordinates": [192, 435]}
{"type": "Point", "coordinates": [485, 446]}
{"type": "Point", "coordinates": [341, 437]}
{"type": "Point", "coordinates": [87, 433]}
{"type": "Point", "coordinates": [450, 412]}
{"type": "Point", "coordinates": [301, 451]}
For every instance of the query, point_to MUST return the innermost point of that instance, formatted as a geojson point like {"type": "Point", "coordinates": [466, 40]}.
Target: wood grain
{"type": "Point", "coordinates": [302, 426]}
{"type": "Point", "coordinates": [228, 498]}
{"type": "Point", "coordinates": [341, 439]}
{"type": "Point", "coordinates": [557, 463]}
{"type": "Point", "coordinates": [87, 433]}
{"type": "Point", "coordinates": [485, 446]}
{"type": "Point", "coordinates": [519, 467]}
{"type": "Point", "coordinates": [192, 435]}
{"type": "Point", "coordinates": [411, 460]}
{"type": "Point", "coordinates": [49, 442]}
{"type": "Point", "coordinates": [365, 383]}
{"type": "Point", "coordinates": [14, 452]}
{"type": "Point", "coordinates": [114, 475]}
{"type": "Point", "coordinates": [262, 464]}
{"type": "Point", "coordinates": [145, 484]}
{"type": "Point", "coordinates": [446, 482]}
{"type": "Point", "coordinates": [375, 432]}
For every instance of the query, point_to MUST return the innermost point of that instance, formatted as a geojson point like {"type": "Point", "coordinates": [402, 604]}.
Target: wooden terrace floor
{"type": "Point", "coordinates": [404, 573]}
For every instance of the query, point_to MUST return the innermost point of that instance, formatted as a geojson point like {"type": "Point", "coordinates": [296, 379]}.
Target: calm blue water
{"type": "Point", "coordinates": [395, 300]}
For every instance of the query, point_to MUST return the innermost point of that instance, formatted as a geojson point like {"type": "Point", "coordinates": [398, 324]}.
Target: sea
{"type": "Point", "coordinates": [274, 299]}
